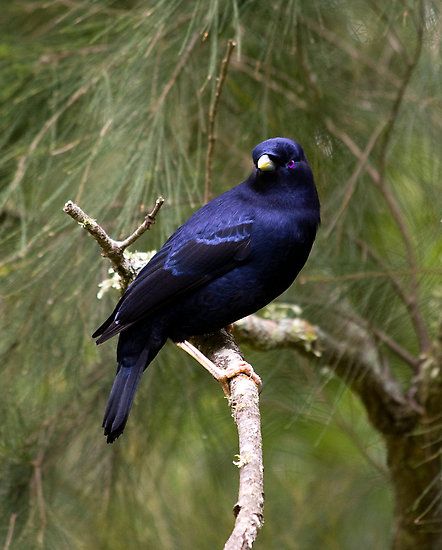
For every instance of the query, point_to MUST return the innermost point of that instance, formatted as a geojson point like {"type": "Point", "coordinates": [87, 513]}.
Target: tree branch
{"type": "Point", "coordinates": [350, 186]}
{"type": "Point", "coordinates": [211, 138]}
{"type": "Point", "coordinates": [378, 178]}
{"type": "Point", "coordinates": [111, 248]}
{"type": "Point", "coordinates": [388, 409]}
{"type": "Point", "coordinates": [401, 223]}
{"type": "Point", "coordinates": [10, 533]}
{"type": "Point", "coordinates": [244, 403]}
{"type": "Point", "coordinates": [184, 58]}
{"type": "Point", "coordinates": [149, 220]}
{"type": "Point", "coordinates": [220, 349]}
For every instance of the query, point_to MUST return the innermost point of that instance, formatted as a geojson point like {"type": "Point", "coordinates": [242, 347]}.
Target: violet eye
{"type": "Point", "coordinates": [291, 164]}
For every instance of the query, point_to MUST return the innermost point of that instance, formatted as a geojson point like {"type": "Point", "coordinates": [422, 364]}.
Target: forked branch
{"type": "Point", "coordinates": [220, 350]}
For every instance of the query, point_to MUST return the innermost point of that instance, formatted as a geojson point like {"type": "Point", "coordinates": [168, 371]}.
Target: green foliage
{"type": "Point", "coordinates": [106, 102]}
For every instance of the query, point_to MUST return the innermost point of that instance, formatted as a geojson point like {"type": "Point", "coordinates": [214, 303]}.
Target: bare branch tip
{"type": "Point", "coordinates": [68, 206]}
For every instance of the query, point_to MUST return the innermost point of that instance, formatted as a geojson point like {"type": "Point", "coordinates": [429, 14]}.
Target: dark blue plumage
{"type": "Point", "coordinates": [232, 257]}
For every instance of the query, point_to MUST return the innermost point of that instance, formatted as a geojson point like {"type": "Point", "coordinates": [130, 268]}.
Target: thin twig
{"type": "Point", "coordinates": [350, 186]}
{"type": "Point", "coordinates": [111, 248]}
{"type": "Point", "coordinates": [10, 533]}
{"type": "Point", "coordinates": [176, 72]}
{"type": "Point", "coordinates": [145, 226]}
{"type": "Point", "coordinates": [38, 487]}
{"type": "Point", "coordinates": [353, 148]}
{"type": "Point", "coordinates": [210, 367]}
{"type": "Point", "coordinates": [401, 292]}
{"type": "Point", "coordinates": [211, 137]}
{"type": "Point", "coordinates": [396, 348]}
{"type": "Point", "coordinates": [397, 215]}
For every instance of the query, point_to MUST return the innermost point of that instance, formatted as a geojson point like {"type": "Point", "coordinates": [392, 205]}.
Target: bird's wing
{"type": "Point", "coordinates": [181, 265]}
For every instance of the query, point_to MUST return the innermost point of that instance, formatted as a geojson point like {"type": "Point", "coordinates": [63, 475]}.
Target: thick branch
{"type": "Point", "coordinates": [244, 403]}
{"type": "Point", "coordinates": [387, 407]}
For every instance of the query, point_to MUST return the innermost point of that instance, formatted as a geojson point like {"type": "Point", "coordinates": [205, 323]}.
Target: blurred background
{"type": "Point", "coordinates": [106, 103]}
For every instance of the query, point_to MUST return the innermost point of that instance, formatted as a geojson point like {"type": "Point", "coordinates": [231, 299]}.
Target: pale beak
{"type": "Point", "coordinates": [266, 164]}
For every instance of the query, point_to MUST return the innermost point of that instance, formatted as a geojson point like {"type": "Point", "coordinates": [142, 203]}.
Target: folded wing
{"type": "Point", "coordinates": [181, 265]}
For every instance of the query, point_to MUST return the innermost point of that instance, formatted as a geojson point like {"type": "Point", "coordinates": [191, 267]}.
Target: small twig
{"type": "Point", "coordinates": [353, 148]}
{"type": "Point", "coordinates": [184, 57]}
{"type": "Point", "coordinates": [204, 362]}
{"type": "Point", "coordinates": [211, 137]}
{"type": "Point", "coordinates": [38, 487]}
{"type": "Point", "coordinates": [396, 348]}
{"type": "Point", "coordinates": [350, 186]}
{"type": "Point", "coordinates": [149, 220]}
{"type": "Point", "coordinates": [401, 223]}
{"type": "Point", "coordinates": [10, 533]}
{"type": "Point", "coordinates": [403, 295]}
{"type": "Point", "coordinates": [111, 248]}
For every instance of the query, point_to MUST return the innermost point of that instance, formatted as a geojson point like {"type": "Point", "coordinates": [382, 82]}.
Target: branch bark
{"type": "Point", "coordinates": [244, 404]}
{"type": "Point", "coordinates": [111, 248]}
{"type": "Point", "coordinates": [410, 423]}
{"type": "Point", "coordinates": [388, 409]}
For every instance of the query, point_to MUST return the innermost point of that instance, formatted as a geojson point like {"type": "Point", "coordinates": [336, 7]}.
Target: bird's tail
{"type": "Point", "coordinates": [136, 349]}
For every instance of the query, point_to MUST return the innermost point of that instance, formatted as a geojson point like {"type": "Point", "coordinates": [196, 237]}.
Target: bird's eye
{"type": "Point", "coordinates": [291, 164]}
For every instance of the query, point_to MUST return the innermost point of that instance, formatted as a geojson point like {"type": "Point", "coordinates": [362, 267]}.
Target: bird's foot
{"type": "Point", "coordinates": [240, 367]}
{"type": "Point", "coordinates": [223, 376]}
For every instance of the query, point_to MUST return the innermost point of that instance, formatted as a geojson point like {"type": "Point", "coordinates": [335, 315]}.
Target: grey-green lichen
{"type": "Point", "coordinates": [137, 260]}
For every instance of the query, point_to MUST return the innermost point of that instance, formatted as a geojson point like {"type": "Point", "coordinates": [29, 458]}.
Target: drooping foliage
{"type": "Point", "coordinates": [106, 103]}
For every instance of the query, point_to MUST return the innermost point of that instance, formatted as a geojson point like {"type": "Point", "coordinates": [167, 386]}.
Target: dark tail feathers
{"type": "Point", "coordinates": [121, 397]}
{"type": "Point", "coordinates": [137, 347]}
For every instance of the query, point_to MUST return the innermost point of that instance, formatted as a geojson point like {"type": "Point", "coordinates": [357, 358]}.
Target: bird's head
{"type": "Point", "coordinates": [284, 175]}
{"type": "Point", "coordinates": [277, 154]}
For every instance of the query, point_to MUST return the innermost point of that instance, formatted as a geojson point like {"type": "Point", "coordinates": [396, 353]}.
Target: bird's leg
{"type": "Point", "coordinates": [221, 375]}
{"type": "Point", "coordinates": [216, 372]}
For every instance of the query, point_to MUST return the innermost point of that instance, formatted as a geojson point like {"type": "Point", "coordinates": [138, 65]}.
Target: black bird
{"type": "Point", "coordinates": [231, 257]}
